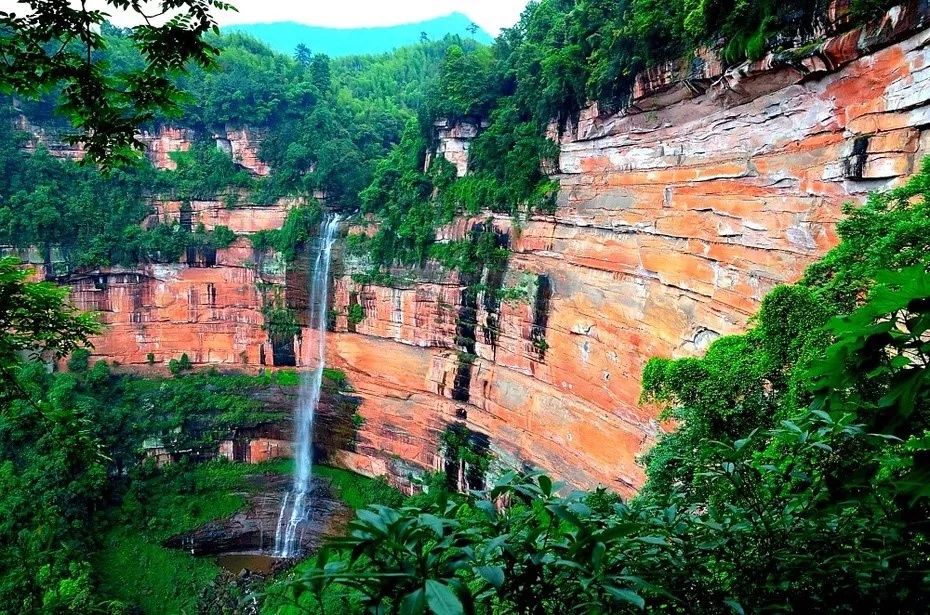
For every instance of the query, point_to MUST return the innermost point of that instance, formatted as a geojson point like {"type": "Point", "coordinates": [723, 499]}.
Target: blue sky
{"type": "Point", "coordinates": [492, 15]}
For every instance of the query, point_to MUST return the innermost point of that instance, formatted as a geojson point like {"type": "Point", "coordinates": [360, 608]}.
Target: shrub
{"type": "Point", "coordinates": [79, 360]}
{"type": "Point", "coordinates": [222, 237]}
{"type": "Point", "coordinates": [177, 366]}
{"type": "Point", "coordinates": [356, 314]}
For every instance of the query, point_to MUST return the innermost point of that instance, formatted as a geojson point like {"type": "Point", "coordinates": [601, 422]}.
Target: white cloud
{"type": "Point", "coordinates": [492, 15]}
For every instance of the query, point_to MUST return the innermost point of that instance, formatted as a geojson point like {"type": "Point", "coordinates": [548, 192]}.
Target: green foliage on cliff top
{"type": "Point", "coordinates": [90, 219]}
{"type": "Point", "coordinates": [301, 224]}
{"type": "Point", "coordinates": [560, 55]}
{"type": "Point", "coordinates": [321, 124]}
{"type": "Point", "coordinates": [65, 48]}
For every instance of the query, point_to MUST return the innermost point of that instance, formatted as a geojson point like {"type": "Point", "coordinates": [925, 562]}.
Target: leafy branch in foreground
{"type": "Point", "coordinates": [55, 45]}
{"type": "Point", "coordinates": [36, 318]}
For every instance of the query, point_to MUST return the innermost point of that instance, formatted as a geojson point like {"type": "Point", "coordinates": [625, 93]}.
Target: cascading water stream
{"type": "Point", "coordinates": [308, 397]}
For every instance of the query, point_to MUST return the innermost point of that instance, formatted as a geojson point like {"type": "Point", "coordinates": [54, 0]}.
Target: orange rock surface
{"type": "Point", "coordinates": [214, 314]}
{"type": "Point", "coordinates": [164, 142]}
{"type": "Point", "coordinates": [242, 218]}
{"type": "Point", "coordinates": [672, 225]}
{"type": "Point", "coordinates": [673, 222]}
{"type": "Point", "coordinates": [242, 144]}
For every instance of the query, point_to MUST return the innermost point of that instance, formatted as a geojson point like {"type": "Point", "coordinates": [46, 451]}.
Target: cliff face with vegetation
{"type": "Point", "coordinates": [510, 257]}
{"type": "Point", "coordinates": [673, 221]}
{"type": "Point", "coordinates": [209, 306]}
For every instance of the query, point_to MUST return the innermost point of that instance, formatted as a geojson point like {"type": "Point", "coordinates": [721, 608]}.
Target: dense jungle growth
{"type": "Point", "coordinates": [793, 474]}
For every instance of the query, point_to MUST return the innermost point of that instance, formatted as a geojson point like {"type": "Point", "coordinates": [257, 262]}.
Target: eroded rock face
{"type": "Point", "coordinates": [209, 306]}
{"type": "Point", "coordinates": [241, 143]}
{"type": "Point", "coordinates": [211, 314]}
{"type": "Point", "coordinates": [165, 141]}
{"type": "Point", "coordinates": [241, 217]}
{"type": "Point", "coordinates": [454, 143]}
{"type": "Point", "coordinates": [253, 529]}
{"type": "Point", "coordinates": [53, 137]}
{"type": "Point", "coordinates": [672, 225]}
{"type": "Point", "coordinates": [673, 221]}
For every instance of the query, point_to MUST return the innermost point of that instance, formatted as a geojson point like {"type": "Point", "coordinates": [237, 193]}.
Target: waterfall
{"type": "Point", "coordinates": [285, 544]}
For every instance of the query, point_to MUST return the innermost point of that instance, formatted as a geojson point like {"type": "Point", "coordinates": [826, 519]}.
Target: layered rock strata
{"type": "Point", "coordinates": [209, 307]}
{"type": "Point", "coordinates": [674, 219]}
{"type": "Point", "coordinates": [241, 143]}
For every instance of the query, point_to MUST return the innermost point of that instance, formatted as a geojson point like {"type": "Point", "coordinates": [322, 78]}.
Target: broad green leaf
{"type": "Point", "coordinates": [442, 600]}
{"type": "Point", "coordinates": [492, 574]}
{"type": "Point", "coordinates": [434, 523]}
{"type": "Point", "coordinates": [626, 595]}
{"type": "Point", "coordinates": [372, 519]}
{"type": "Point", "coordinates": [545, 483]}
{"type": "Point", "coordinates": [597, 554]}
{"type": "Point", "coordinates": [413, 603]}
{"type": "Point", "coordinates": [653, 540]}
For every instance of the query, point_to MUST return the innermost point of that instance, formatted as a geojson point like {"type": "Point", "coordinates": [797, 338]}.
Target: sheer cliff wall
{"type": "Point", "coordinates": [673, 221]}
{"type": "Point", "coordinates": [209, 306]}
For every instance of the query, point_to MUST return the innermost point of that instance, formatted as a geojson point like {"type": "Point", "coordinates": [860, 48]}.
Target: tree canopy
{"type": "Point", "coordinates": [54, 46]}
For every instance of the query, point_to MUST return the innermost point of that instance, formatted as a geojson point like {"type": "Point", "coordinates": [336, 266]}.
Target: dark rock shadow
{"type": "Point", "coordinates": [252, 530]}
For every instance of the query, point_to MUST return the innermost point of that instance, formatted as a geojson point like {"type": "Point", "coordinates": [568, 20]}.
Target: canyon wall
{"type": "Point", "coordinates": [241, 143]}
{"type": "Point", "coordinates": [674, 219]}
{"type": "Point", "coordinates": [209, 307]}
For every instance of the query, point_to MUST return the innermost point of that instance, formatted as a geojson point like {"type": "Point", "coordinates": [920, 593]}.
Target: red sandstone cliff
{"type": "Point", "coordinates": [674, 220]}
{"type": "Point", "coordinates": [210, 310]}
{"type": "Point", "coordinates": [242, 144]}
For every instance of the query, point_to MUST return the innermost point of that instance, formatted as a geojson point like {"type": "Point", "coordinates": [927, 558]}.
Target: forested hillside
{"type": "Point", "coordinates": [325, 124]}
{"type": "Point", "coordinates": [791, 466]}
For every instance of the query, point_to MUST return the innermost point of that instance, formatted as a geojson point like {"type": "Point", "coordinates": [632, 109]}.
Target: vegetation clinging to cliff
{"type": "Point", "coordinates": [561, 54]}
{"type": "Point", "coordinates": [324, 125]}
{"type": "Point", "coordinates": [796, 477]}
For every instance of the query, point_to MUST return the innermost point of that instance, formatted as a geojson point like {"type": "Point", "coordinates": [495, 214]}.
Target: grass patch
{"type": "Point", "coordinates": [336, 378]}
{"type": "Point", "coordinates": [359, 491]}
{"type": "Point", "coordinates": [134, 568]}
{"type": "Point", "coordinates": [141, 573]}
{"type": "Point", "coordinates": [287, 378]}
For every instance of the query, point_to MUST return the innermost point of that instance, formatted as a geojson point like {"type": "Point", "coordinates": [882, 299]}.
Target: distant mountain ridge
{"type": "Point", "coordinates": [337, 42]}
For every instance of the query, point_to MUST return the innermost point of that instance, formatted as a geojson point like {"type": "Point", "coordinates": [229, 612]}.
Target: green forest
{"type": "Point", "coordinates": [796, 474]}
